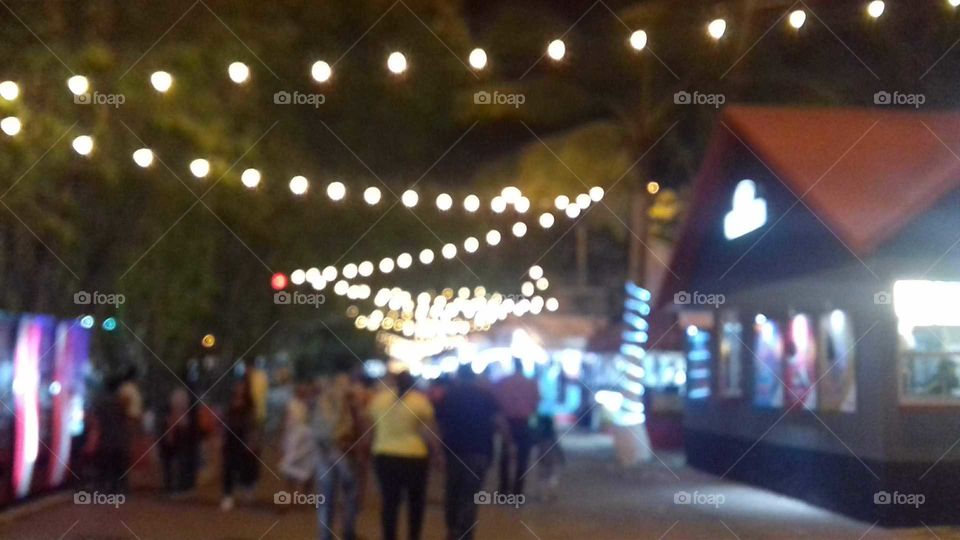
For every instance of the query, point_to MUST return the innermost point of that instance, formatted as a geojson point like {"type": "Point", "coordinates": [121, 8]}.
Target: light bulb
{"type": "Point", "coordinates": [336, 191]}
{"type": "Point", "coordinates": [478, 59]}
{"type": "Point", "coordinates": [83, 145]}
{"type": "Point", "coordinates": [161, 81]}
{"type": "Point", "coordinates": [299, 185]}
{"type": "Point", "coordinates": [143, 157]}
{"type": "Point", "coordinates": [200, 168]}
{"type": "Point", "coordinates": [321, 71]}
{"type": "Point", "coordinates": [638, 40]}
{"type": "Point", "coordinates": [397, 62]}
{"type": "Point", "coordinates": [557, 49]}
{"type": "Point", "coordinates": [372, 195]}
{"type": "Point", "coordinates": [238, 72]}
{"type": "Point", "coordinates": [250, 178]}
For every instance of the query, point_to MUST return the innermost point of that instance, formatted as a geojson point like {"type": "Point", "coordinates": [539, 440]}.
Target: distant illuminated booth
{"type": "Point", "coordinates": [43, 366]}
{"type": "Point", "coordinates": [821, 261]}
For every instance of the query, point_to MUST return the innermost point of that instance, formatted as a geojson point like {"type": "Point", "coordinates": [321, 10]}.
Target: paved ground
{"type": "Point", "coordinates": [597, 501]}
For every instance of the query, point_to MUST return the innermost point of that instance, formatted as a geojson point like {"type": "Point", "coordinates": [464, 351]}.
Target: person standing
{"type": "Point", "coordinates": [180, 445]}
{"type": "Point", "coordinates": [238, 459]}
{"type": "Point", "coordinates": [335, 428]}
{"type": "Point", "coordinates": [401, 453]}
{"type": "Point", "coordinates": [518, 398]}
{"type": "Point", "coordinates": [468, 419]}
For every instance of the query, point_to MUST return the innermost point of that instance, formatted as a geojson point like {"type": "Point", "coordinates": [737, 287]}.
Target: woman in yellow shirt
{"type": "Point", "coordinates": [401, 453]}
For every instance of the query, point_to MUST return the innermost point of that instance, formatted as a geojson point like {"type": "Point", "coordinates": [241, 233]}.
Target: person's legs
{"type": "Point", "coordinates": [451, 495]}
{"type": "Point", "coordinates": [416, 481]}
{"type": "Point", "coordinates": [327, 477]}
{"type": "Point", "coordinates": [524, 443]}
{"type": "Point", "coordinates": [506, 450]}
{"type": "Point", "coordinates": [471, 483]}
{"type": "Point", "coordinates": [351, 498]}
{"type": "Point", "coordinates": [390, 479]}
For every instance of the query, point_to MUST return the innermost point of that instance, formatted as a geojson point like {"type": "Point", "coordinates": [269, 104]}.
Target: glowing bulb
{"type": "Point", "coordinates": [583, 201]}
{"type": "Point", "coordinates": [493, 237]}
{"type": "Point", "coordinates": [471, 245]}
{"type": "Point", "coordinates": [638, 40]}
{"type": "Point", "coordinates": [527, 289]}
{"type": "Point", "coordinates": [519, 229]}
{"type": "Point", "coordinates": [78, 84]}
{"type": "Point", "coordinates": [386, 265]}
{"type": "Point", "coordinates": [448, 251]}
{"type": "Point", "coordinates": [498, 204]}
{"type": "Point", "coordinates": [596, 193]}
{"type": "Point", "coordinates": [717, 28]}
{"type": "Point", "coordinates": [572, 211]}
{"type": "Point", "coordinates": [478, 59]}
{"type": "Point", "coordinates": [371, 195]}
{"type": "Point", "coordinates": [404, 260]}
{"type": "Point", "coordinates": [10, 125]}
{"type": "Point", "coordinates": [321, 71]}
{"type": "Point", "coordinates": [143, 157]}
{"type": "Point", "coordinates": [397, 62]}
{"type": "Point", "coordinates": [365, 268]}
{"type": "Point", "coordinates": [9, 90]}
{"type": "Point", "coordinates": [557, 49]}
{"type": "Point", "coordinates": [561, 202]}
{"type": "Point", "coordinates": [410, 198]}
{"type": "Point", "coordinates": [542, 284]}
{"type": "Point", "coordinates": [546, 220]}
{"type": "Point", "coordinates": [299, 185]}
{"type": "Point", "coordinates": [336, 191]}
{"type": "Point", "coordinates": [471, 203]}
{"type": "Point", "coordinates": [298, 277]}
{"type": "Point", "coordinates": [250, 178]}
{"type": "Point", "coordinates": [426, 256]}
{"type": "Point", "coordinates": [444, 202]}
{"type": "Point", "coordinates": [511, 194]}
{"type": "Point", "coordinates": [536, 272]}
{"type": "Point", "coordinates": [161, 81]}
{"type": "Point", "coordinates": [329, 273]}
{"type": "Point", "coordinates": [200, 168]}
{"type": "Point", "coordinates": [83, 145]}
{"type": "Point", "coordinates": [238, 72]}
{"type": "Point", "coordinates": [875, 8]}
{"type": "Point", "coordinates": [799, 16]}
{"type": "Point", "coordinates": [350, 271]}
{"type": "Point", "coordinates": [954, 3]}
{"type": "Point", "coordinates": [552, 304]}
{"type": "Point", "coordinates": [522, 205]}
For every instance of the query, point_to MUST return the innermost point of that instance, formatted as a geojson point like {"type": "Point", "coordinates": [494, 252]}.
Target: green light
{"type": "Point", "coordinates": [109, 324]}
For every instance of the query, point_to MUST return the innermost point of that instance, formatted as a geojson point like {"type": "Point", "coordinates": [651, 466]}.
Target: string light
{"type": "Point", "coordinates": [572, 211]}
{"type": "Point", "coordinates": [386, 265]}
{"type": "Point", "coordinates": [493, 237]}
{"type": "Point", "coordinates": [426, 256]}
{"type": "Point", "coordinates": [9, 90]}
{"type": "Point", "coordinates": [329, 273]}
{"type": "Point", "coordinates": [372, 195]}
{"type": "Point", "coordinates": [448, 251]}
{"type": "Point", "coordinates": [299, 185]}
{"type": "Point", "coordinates": [561, 202]}
{"type": "Point", "coordinates": [519, 229]}
{"type": "Point", "coordinates": [10, 125]}
{"type": "Point", "coordinates": [583, 201]}
{"type": "Point", "coordinates": [200, 168]}
{"type": "Point", "coordinates": [717, 28]}
{"type": "Point", "coordinates": [498, 204]}
{"type": "Point", "coordinates": [542, 284]}
{"type": "Point", "coordinates": [953, 3]}
{"type": "Point", "coordinates": [875, 9]}
{"type": "Point", "coordinates": [250, 178]}
{"type": "Point", "coordinates": [596, 193]}
{"type": "Point", "coordinates": [321, 71]}
{"type": "Point", "coordinates": [78, 85]}
{"type": "Point", "coordinates": [143, 157]}
{"type": "Point", "coordinates": [471, 245]}
{"type": "Point", "coordinates": [444, 202]}
{"type": "Point", "coordinates": [404, 260]}
{"type": "Point", "coordinates": [298, 277]}
{"type": "Point", "coordinates": [397, 62]}
{"type": "Point", "coordinates": [557, 49]}
{"type": "Point", "coordinates": [238, 72]}
{"type": "Point", "coordinates": [471, 203]}
{"type": "Point", "coordinates": [83, 145]}
{"type": "Point", "coordinates": [799, 16]}
{"type": "Point", "coordinates": [350, 271]}
{"type": "Point", "coordinates": [522, 205]}
{"type": "Point", "coordinates": [511, 194]}
{"type": "Point", "coordinates": [653, 187]}
{"type": "Point", "coordinates": [552, 304]}
{"type": "Point", "coordinates": [638, 40]}
{"type": "Point", "coordinates": [410, 198]}
{"type": "Point", "coordinates": [365, 268]}
{"type": "Point", "coordinates": [336, 191]}
{"type": "Point", "coordinates": [478, 59]}
{"type": "Point", "coordinates": [546, 220]}
{"type": "Point", "coordinates": [161, 81]}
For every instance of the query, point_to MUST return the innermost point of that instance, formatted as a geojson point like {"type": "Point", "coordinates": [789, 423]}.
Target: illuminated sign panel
{"type": "Point", "coordinates": [749, 212]}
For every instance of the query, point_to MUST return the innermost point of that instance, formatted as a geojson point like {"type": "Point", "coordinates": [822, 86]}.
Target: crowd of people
{"type": "Point", "coordinates": [336, 431]}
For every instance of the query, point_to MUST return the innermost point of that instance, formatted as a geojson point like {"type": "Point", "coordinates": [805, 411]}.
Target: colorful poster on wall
{"type": "Point", "coordinates": [768, 365]}
{"type": "Point", "coordinates": [730, 356]}
{"type": "Point", "coordinates": [801, 360]}
{"type": "Point", "coordinates": [838, 385]}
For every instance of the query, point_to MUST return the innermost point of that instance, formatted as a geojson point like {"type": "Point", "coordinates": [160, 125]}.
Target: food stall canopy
{"type": "Point", "coordinates": [865, 173]}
